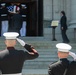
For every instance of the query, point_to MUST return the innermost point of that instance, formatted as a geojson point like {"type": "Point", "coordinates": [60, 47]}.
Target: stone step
{"type": "Point", "coordinates": [44, 59]}
{"type": "Point", "coordinates": [38, 63]}
{"type": "Point", "coordinates": [34, 71]}
{"type": "Point", "coordinates": [46, 49]}
{"type": "Point", "coordinates": [47, 46]}
{"type": "Point", "coordinates": [37, 42]}
{"type": "Point", "coordinates": [41, 66]}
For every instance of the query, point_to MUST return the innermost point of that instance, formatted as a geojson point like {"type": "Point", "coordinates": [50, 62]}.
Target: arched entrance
{"type": "Point", "coordinates": [34, 16]}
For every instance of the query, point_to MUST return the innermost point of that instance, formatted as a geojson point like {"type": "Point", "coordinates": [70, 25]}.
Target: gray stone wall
{"type": "Point", "coordinates": [47, 23]}
{"type": "Point", "coordinates": [52, 10]}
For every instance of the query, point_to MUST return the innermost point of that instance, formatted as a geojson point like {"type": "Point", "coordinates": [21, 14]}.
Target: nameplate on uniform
{"type": "Point", "coordinates": [54, 23]}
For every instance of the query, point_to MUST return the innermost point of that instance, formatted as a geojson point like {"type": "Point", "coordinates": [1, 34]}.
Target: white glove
{"type": "Point", "coordinates": [73, 55]}
{"type": "Point", "coordinates": [21, 42]}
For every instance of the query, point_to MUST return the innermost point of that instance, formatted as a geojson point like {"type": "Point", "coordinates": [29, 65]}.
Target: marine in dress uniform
{"type": "Point", "coordinates": [23, 12]}
{"type": "Point", "coordinates": [63, 22]}
{"type": "Point", "coordinates": [4, 18]}
{"type": "Point", "coordinates": [59, 67]}
{"type": "Point", "coordinates": [12, 59]}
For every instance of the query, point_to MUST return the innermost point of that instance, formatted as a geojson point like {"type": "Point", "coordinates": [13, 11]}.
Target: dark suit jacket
{"type": "Point", "coordinates": [23, 12]}
{"type": "Point", "coordinates": [2, 12]}
{"type": "Point", "coordinates": [15, 23]}
{"type": "Point", "coordinates": [63, 22]}
{"type": "Point", "coordinates": [58, 68]}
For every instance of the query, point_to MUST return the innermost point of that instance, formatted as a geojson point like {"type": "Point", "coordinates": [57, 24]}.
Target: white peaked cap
{"type": "Point", "coordinates": [11, 35]}
{"type": "Point", "coordinates": [63, 47]}
{"type": "Point", "coordinates": [3, 4]}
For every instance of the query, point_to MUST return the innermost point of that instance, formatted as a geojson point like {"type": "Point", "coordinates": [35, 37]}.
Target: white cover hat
{"type": "Point", "coordinates": [11, 35]}
{"type": "Point", "coordinates": [63, 47]}
{"type": "Point", "coordinates": [3, 4]}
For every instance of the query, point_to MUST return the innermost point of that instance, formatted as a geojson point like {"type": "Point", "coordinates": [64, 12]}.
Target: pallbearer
{"type": "Point", "coordinates": [4, 18]}
{"type": "Point", "coordinates": [23, 12]}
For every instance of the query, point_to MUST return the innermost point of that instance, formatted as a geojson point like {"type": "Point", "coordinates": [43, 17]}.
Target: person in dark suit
{"type": "Point", "coordinates": [63, 22]}
{"type": "Point", "coordinates": [60, 66]}
{"type": "Point", "coordinates": [12, 59]}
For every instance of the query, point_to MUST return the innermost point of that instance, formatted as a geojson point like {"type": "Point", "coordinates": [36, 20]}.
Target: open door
{"type": "Point", "coordinates": [34, 16]}
{"type": "Point", "coordinates": [32, 19]}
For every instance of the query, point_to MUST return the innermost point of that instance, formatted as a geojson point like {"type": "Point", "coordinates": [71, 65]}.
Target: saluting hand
{"type": "Point", "coordinates": [73, 55]}
{"type": "Point", "coordinates": [21, 42]}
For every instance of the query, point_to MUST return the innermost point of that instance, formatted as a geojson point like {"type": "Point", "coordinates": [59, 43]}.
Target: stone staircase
{"type": "Point", "coordinates": [47, 54]}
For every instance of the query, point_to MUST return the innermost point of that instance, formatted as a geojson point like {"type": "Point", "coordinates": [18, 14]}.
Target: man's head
{"type": "Point", "coordinates": [63, 50]}
{"type": "Point", "coordinates": [62, 13]}
{"type": "Point", "coordinates": [10, 38]}
{"type": "Point", "coordinates": [10, 43]}
{"type": "Point", "coordinates": [63, 54]}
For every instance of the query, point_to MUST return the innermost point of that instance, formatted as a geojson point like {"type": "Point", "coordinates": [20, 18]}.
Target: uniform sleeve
{"type": "Point", "coordinates": [31, 52]}
{"type": "Point", "coordinates": [50, 71]}
{"type": "Point", "coordinates": [0, 72]}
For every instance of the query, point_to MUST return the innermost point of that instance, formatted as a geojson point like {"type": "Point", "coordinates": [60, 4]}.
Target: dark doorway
{"type": "Point", "coordinates": [34, 16]}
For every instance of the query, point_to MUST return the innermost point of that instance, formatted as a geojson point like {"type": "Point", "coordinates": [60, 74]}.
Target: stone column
{"type": "Point", "coordinates": [68, 10]}
{"type": "Point", "coordinates": [73, 11]}
{"type": "Point", "coordinates": [56, 9]}
{"type": "Point", "coordinates": [73, 18]}
{"type": "Point", "coordinates": [47, 9]}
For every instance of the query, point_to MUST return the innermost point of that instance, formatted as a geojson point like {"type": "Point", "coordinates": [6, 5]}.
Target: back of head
{"type": "Point", "coordinates": [63, 54]}
{"type": "Point", "coordinates": [10, 43]}
{"type": "Point", "coordinates": [63, 50]}
{"type": "Point", "coordinates": [63, 13]}
{"type": "Point", "coordinates": [10, 38]}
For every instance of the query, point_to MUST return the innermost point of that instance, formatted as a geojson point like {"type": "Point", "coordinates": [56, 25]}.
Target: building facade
{"type": "Point", "coordinates": [51, 11]}
{"type": "Point", "coordinates": [42, 12]}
